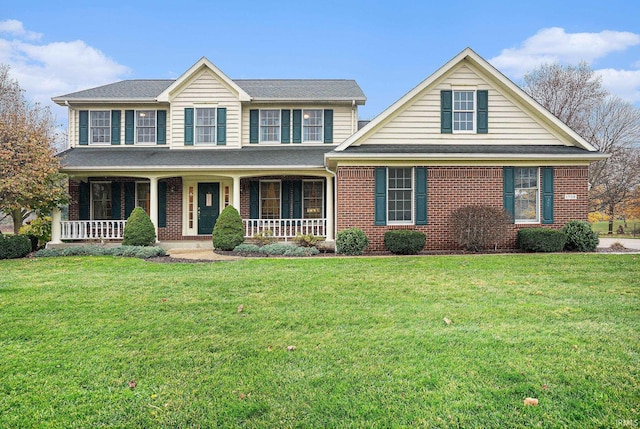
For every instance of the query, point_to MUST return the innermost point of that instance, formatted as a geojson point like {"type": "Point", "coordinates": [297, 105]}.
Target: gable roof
{"type": "Point", "coordinates": [302, 89]}
{"type": "Point", "coordinates": [499, 81]}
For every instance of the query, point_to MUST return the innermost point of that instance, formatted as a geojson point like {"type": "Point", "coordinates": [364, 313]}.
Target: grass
{"type": "Point", "coordinates": [372, 349]}
{"type": "Point", "coordinates": [602, 228]}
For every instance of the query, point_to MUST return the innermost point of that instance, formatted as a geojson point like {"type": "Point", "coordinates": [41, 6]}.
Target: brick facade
{"type": "Point", "coordinates": [448, 189]}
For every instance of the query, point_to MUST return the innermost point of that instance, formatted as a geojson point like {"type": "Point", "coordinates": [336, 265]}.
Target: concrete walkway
{"type": "Point", "coordinates": [200, 254]}
{"type": "Point", "coordinates": [629, 243]}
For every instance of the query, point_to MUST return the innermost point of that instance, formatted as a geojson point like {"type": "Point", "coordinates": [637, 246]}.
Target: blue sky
{"type": "Point", "coordinates": [388, 47]}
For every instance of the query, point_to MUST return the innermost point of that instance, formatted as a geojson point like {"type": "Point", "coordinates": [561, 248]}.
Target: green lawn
{"type": "Point", "coordinates": [372, 349]}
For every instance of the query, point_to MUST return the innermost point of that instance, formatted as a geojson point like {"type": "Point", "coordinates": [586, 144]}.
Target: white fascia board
{"type": "Point", "coordinates": [62, 101]}
{"type": "Point", "coordinates": [200, 168]}
{"type": "Point", "coordinates": [463, 157]}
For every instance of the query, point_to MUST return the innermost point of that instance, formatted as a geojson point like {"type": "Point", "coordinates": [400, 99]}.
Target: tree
{"type": "Point", "coordinates": [575, 95]}
{"type": "Point", "coordinates": [29, 171]}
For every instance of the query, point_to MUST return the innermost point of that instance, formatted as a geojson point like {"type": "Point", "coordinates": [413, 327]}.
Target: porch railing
{"type": "Point", "coordinates": [92, 229]}
{"type": "Point", "coordinates": [285, 228]}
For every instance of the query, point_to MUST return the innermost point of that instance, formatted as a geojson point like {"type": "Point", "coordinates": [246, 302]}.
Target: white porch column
{"type": "Point", "coordinates": [56, 227]}
{"type": "Point", "coordinates": [330, 212]}
{"type": "Point", "coordinates": [153, 203]}
{"type": "Point", "coordinates": [236, 193]}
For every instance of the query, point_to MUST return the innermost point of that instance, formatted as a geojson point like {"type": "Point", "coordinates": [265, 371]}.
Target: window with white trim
{"type": "Point", "coordinates": [270, 192]}
{"type": "Point", "coordinates": [312, 199]}
{"type": "Point", "coordinates": [312, 122]}
{"type": "Point", "coordinates": [526, 184]}
{"type": "Point", "coordinates": [269, 126]}
{"type": "Point", "coordinates": [205, 125]}
{"type": "Point", "coordinates": [464, 111]}
{"type": "Point", "coordinates": [400, 195]}
{"type": "Point", "coordinates": [146, 126]}
{"type": "Point", "coordinates": [100, 200]}
{"type": "Point", "coordinates": [143, 196]}
{"type": "Point", "coordinates": [100, 127]}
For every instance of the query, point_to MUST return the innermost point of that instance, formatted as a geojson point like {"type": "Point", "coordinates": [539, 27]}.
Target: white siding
{"type": "Point", "coordinates": [205, 90]}
{"type": "Point", "coordinates": [419, 122]}
{"type": "Point", "coordinates": [345, 120]}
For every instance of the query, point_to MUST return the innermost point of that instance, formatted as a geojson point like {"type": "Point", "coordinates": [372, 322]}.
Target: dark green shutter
{"type": "Point", "coordinates": [84, 197]}
{"type": "Point", "coordinates": [254, 126]}
{"type": "Point", "coordinates": [380, 215]}
{"type": "Point", "coordinates": [254, 199]}
{"type": "Point", "coordinates": [221, 135]}
{"type": "Point", "coordinates": [328, 125]}
{"type": "Point", "coordinates": [547, 195]}
{"type": "Point", "coordinates": [483, 112]}
{"type": "Point", "coordinates": [129, 126]}
{"type": "Point", "coordinates": [115, 126]}
{"type": "Point", "coordinates": [297, 126]}
{"type": "Point", "coordinates": [83, 129]}
{"type": "Point", "coordinates": [188, 126]}
{"type": "Point", "coordinates": [162, 204]}
{"type": "Point", "coordinates": [421, 196]}
{"type": "Point", "coordinates": [162, 127]}
{"type": "Point", "coordinates": [509, 191]}
{"type": "Point", "coordinates": [286, 126]}
{"type": "Point", "coordinates": [285, 201]}
{"type": "Point", "coordinates": [129, 198]}
{"type": "Point", "coordinates": [446, 112]}
{"type": "Point", "coordinates": [116, 195]}
{"type": "Point", "coordinates": [297, 199]}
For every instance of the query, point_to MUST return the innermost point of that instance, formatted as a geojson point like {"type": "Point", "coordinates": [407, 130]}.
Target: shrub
{"type": "Point", "coordinates": [138, 231]}
{"type": "Point", "coordinates": [246, 248]}
{"type": "Point", "coordinates": [580, 236]}
{"type": "Point", "coordinates": [14, 246]}
{"type": "Point", "coordinates": [477, 227]}
{"type": "Point", "coordinates": [351, 241]}
{"type": "Point", "coordinates": [275, 249]}
{"type": "Point", "coordinates": [228, 231]}
{"type": "Point", "coordinates": [40, 228]}
{"type": "Point", "coordinates": [306, 240]}
{"type": "Point", "coordinates": [143, 252]}
{"type": "Point", "coordinates": [301, 251]}
{"type": "Point", "coordinates": [541, 240]}
{"type": "Point", "coordinates": [264, 237]}
{"type": "Point", "coordinates": [404, 242]}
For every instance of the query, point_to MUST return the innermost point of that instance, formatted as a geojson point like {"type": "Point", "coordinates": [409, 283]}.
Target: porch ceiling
{"type": "Point", "coordinates": [132, 158]}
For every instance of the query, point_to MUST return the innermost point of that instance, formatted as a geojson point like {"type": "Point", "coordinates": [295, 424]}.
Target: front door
{"type": "Point", "coordinates": [208, 206]}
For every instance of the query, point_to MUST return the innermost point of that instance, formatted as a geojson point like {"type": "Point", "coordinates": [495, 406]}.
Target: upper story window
{"type": "Point", "coordinates": [145, 126]}
{"type": "Point", "coordinates": [100, 127]}
{"type": "Point", "coordinates": [269, 126]}
{"type": "Point", "coordinates": [526, 194]}
{"type": "Point", "coordinates": [312, 125]}
{"type": "Point", "coordinates": [464, 111]}
{"type": "Point", "coordinates": [205, 125]}
{"type": "Point", "coordinates": [400, 195]}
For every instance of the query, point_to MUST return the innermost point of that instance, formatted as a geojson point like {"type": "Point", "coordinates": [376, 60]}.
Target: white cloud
{"type": "Point", "coordinates": [623, 83]}
{"type": "Point", "coordinates": [57, 68]}
{"type": "Point", "coordinates": [16, 29]}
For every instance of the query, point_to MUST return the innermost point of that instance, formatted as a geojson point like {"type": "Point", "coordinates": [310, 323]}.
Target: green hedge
{"type": "Point", "coordinates": [541, 240]}
{"type": "Point", "coordinates": [404, 242]}
{"type": "Point", "coordinates": [580, 236]}
{"type": "Point", "coordinates": [14, 246]}
{"type": "Point", "coordinates": [143, 252]}
{"type": "Point", "coordinates": [351, 241]}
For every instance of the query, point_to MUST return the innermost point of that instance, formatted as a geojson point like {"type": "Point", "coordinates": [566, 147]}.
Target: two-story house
{"type": "Point", "coordinates": [289, 155]}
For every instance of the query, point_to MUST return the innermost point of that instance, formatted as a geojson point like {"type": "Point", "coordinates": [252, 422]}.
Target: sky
{"type": "Point", "coordinates": [388, 47]}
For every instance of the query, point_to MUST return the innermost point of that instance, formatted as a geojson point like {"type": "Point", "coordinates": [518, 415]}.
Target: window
{"type": "Point", "coordinates": [464, 111]}
{"type": "Point", "coordinates": [269, 125]}
{"type": "Point", "coordinates": [270, 199]}
{"type": "Point", "coordinates": [100, 127]}
{"type": "Point", "coordinates": [146, 126]}
{"type": "Point", "coordinates": [100, 200]}
{"type": "Point", "coordinates": [400, 195]}
{"type": "Point", "coordinates": [205, 125]}
{"type": "Point", "coordinates": [143, 196]}
{"type": "Point", "coordinates": [312, 125]}
{"type": "Point", "coordinates": [312, 199]}
{"type": "Point", "coordinates": [526, 194]}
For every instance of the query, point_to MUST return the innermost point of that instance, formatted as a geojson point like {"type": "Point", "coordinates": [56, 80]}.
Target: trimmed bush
{"type": "Point", "coordinates": [541, 240]}
{"type": "Point", "coordinates": [301, 251]}
{"type": "Point", "coordinates": [246, 248]}
{"type": "Point", "coordinates": [139, 230]}
{"type": "Point", "coordinates": [143, 252]}
{"type": "Point", "coordinates": [351, 241]}
{"type": "Point", "coordinates": [14, 246]}
{"type": "Point", "coordinates": [40, 228]}
{"type": "Point", "coordinates": [306, 240]}
{"type": "Point", "coordinates": [278, 249]}
{"type": "Point", "coordinates": [228, 231]}
{"type": "Point", "coordinates": [404, 242]}
{"type": "Point", "coordinates": [264, 237]}
{"type": "Point", "coordinates": [475, 228]}
{"type": "Point", "coordinates": [580, 236]}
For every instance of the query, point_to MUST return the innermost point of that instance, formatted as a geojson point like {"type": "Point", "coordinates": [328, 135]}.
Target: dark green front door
{"type": "Point", "coordinates": [208, 206]}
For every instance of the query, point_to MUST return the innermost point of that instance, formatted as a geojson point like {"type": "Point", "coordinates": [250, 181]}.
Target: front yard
{"type": "Point", "coordinates": [105, 341]}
